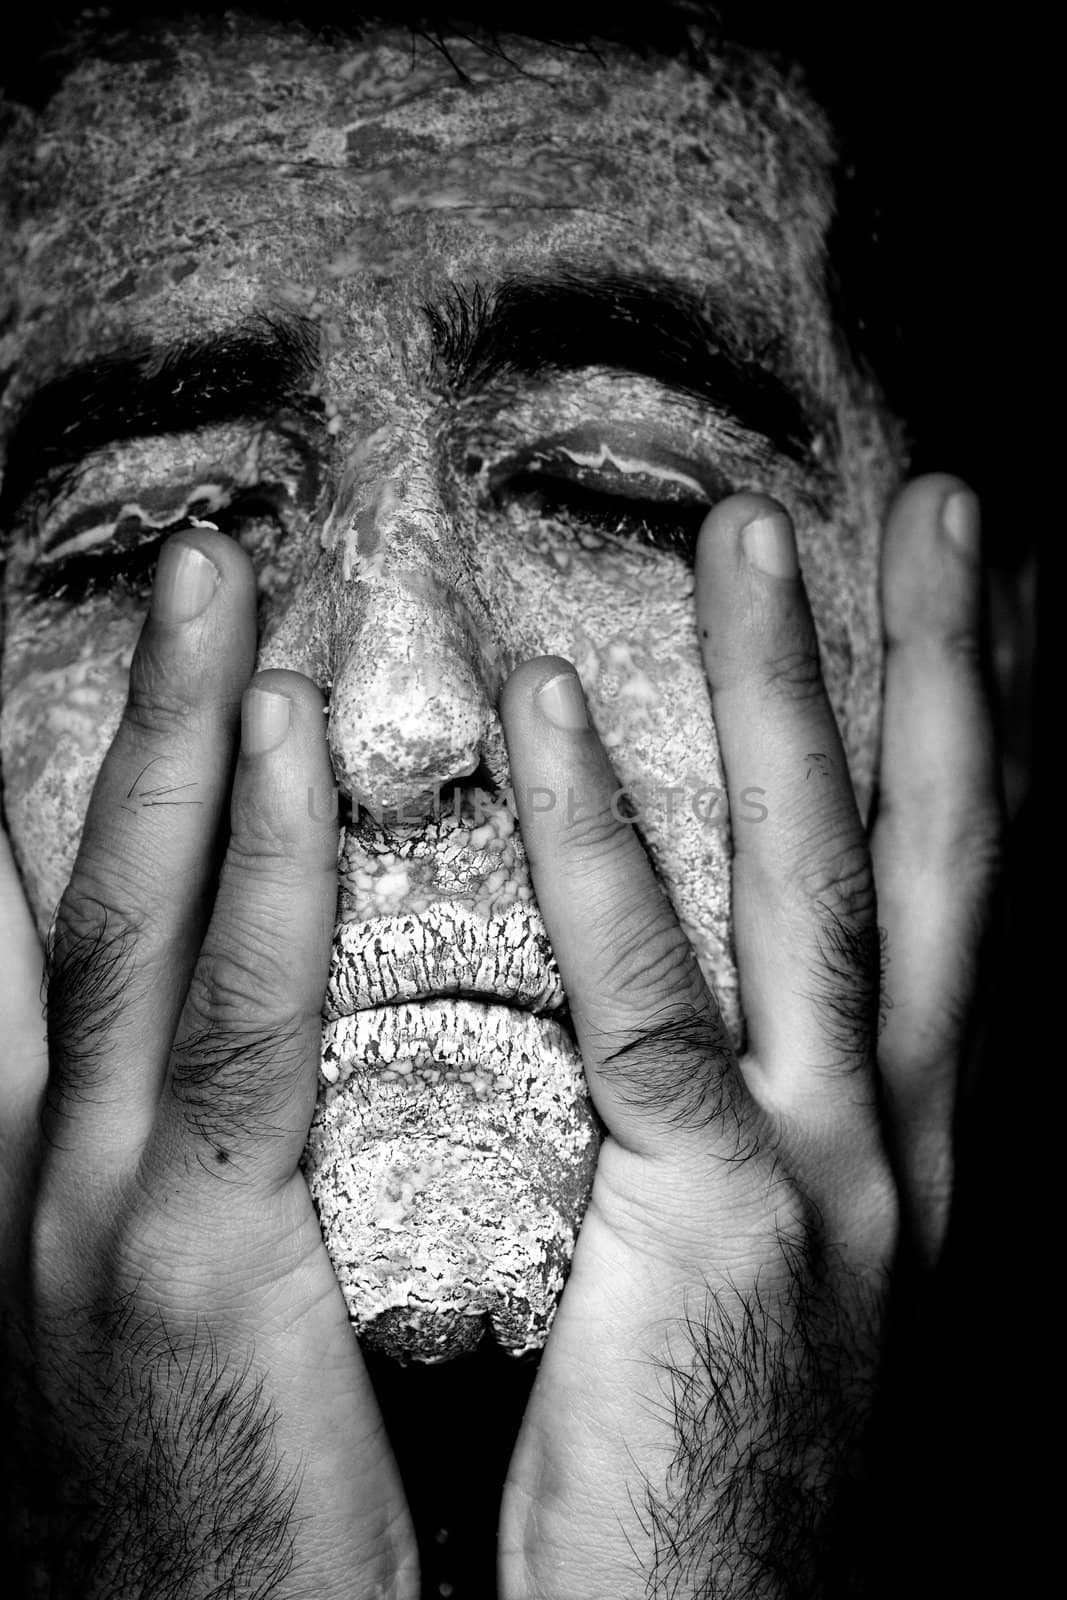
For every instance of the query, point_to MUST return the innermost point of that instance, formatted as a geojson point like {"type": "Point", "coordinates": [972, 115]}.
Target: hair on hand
{"type": "Point", "coordinates": [768, 1413]}
{"type": "Point", "coordinates": [678, 1071]}
{"type": "Point", "coordinates": [848, 989]}
{"type": "Point", "coordinates": [86, 978]}
{"type": "Point", "coordinates": [156, 1475]}
{"type": "Point", "coordinates": [234, 1083]}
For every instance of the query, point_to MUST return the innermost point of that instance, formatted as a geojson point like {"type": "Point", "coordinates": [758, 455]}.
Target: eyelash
{"type": "Point", "coordinates": [662, 525]}
{"type": "Point", "coordinates": [109, 564]}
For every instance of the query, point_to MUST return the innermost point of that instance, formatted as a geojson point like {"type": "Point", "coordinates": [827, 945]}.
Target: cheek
{"type": "Point", "coordinates": [61, 705]}
{"type": "Point", "coordinates": [644, 677]}
{"type": "Point", "coordinates": [630, 629]}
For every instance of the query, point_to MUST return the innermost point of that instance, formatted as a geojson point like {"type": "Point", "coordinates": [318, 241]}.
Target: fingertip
{"type": "Point", "coordinates": [746, 550]}
{"type": "Point", "coordinates": [193, 567]}
{"type": "Point", "coordinates": [199, 639]}
{"type": "Point", "coordinates": [302, 691]}
{"type": "Point", "coordinates": [725, 523]}
{"type": "Point", "coordinates": [523, 687]}
{"type": "Point", "coordinates": [769, 545]}
{"type": "Point", "coordinates": [284, 788]}
{"type": "Point", "coordinates": [930, 558]}
{"type": "Point", "coordinates": [266, 717]}
{"type": "Point", "coordinates": [275, 701]}
{"type": "Point", "coordinates": [186, 582]}
{"type": "Point", "coordinates": [932, 505]}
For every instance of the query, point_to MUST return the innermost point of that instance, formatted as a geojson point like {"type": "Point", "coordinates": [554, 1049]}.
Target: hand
{"type": "Point", "coordinates": [205, 1421]}
{"type": "Point", "coordinates": [708, 1376]}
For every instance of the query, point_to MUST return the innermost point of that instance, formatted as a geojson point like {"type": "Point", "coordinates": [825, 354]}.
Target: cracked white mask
{"type": "Point", "coordinates": [462, 365]}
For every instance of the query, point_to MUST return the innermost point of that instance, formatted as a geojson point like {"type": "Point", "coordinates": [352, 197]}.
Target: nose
{"type": "Point", "coordinates": [409, 712]}
{"type": "Point", "coordinates": [412, 705]}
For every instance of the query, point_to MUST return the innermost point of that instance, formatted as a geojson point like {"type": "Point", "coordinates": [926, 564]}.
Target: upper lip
{"type": "Point", "coordinates": [450, 948]}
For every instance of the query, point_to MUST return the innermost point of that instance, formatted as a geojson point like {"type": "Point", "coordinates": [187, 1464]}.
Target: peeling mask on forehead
{"type": "Point", "coordinates": [381, 160]}
{"type": "Point", "coordinates": [462, 367]}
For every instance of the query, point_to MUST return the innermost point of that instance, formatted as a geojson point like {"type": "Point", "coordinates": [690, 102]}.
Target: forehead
{"type": "Point", "coordinates": [222, 173]}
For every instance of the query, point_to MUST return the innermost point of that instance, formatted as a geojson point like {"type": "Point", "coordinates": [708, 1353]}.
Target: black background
{"type": "Point", "coordinates": [949, 117]}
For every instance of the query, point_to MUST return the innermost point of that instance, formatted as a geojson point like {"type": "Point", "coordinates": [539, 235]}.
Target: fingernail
{"type": "Point", "coordinates": [770, 546]}
{"type": "Point", "coordinates": [961, 522]}
{"type": "Point", "coordinates": [562, 701]}
{"type": "Point", "coordinates": [264, 720]}
{"type": "Point", "coordinates": [186, 579]}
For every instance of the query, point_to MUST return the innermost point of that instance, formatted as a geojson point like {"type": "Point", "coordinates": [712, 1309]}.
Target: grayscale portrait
{"type": "Point", "coordinates": [509, 707]}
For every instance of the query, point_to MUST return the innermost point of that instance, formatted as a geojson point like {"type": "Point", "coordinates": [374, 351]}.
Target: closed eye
{"type": "Point", "coordinates": [597, 517]}
{"type": "Point", "coordinates": [126, 561]}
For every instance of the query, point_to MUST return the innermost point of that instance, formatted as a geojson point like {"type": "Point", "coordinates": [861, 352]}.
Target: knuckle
{"type": "Point", "coordinates": [117, 877]}
{"type": "Point", "coordinates": [961, 646]}
{"type": "Point", "coordinates": [592, 833]}
{"type": "Point", "coordinates": [794, 675]}
{"type": "Point", "coordinates": [644, 963]}
{"type": "Point", "coordinates": [159, 706]}
{"type": "Point", "coordinates": [238, 988]}
{"type": "Point", "coordinates": [262, 845]}
{"type": "Point", "coordinates": [837, 875]}
{"type": "Point", "coordinates": [88, 920]}
{"type": "Point", "coordinates": [971, 858]}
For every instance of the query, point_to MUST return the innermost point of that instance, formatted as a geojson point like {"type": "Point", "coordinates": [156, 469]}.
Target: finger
{"type": "Point", "coordinates": [131, 919]}
{"type": "Point", "coordinates": [936, 839]}
{"type": "Point", "coordinates": [656, 1054]}
{"type": "Point", "coordinates": [23, 1063]}
{"type": "Point", "coordinates": [24, 1057]}
{"type": "Point", "coordinates": [803, 891]}
{"type": "Point", "coordinates": [245, 1061]}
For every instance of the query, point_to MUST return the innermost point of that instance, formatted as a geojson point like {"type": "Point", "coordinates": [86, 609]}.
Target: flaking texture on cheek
{"type": "Point", "coordinates": [56, 724]}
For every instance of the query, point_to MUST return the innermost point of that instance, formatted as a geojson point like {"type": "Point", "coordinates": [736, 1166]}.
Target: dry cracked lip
{"type": "Point", "coordinates": [446, 951]}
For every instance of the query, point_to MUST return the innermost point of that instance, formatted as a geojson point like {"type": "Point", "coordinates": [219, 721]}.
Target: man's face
{"type": "Point", "coordinates": [461, 365]}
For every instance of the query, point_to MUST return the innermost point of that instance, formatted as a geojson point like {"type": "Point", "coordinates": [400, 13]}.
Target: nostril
{"type": "Point", "coordinates": [411, 710]}
{"type": "Point", "coordinates": [396, 750]}
{"type": "Point", "coordinates": [480, 781]}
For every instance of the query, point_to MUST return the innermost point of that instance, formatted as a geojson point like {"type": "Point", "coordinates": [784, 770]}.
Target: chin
{"type": "Point", "coordinates": [450, 1158]}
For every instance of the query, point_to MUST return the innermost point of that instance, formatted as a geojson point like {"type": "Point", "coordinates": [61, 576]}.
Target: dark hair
{"type": "Point", "coordinates": [51, 41]}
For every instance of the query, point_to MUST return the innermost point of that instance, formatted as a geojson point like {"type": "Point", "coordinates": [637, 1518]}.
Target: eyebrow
{"type": "Point", "coordinates": [252, 371]}
{"type": "Point", "coordinates": [653, 327]}
{"type": "Point", "coordinates": [568, 321]}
